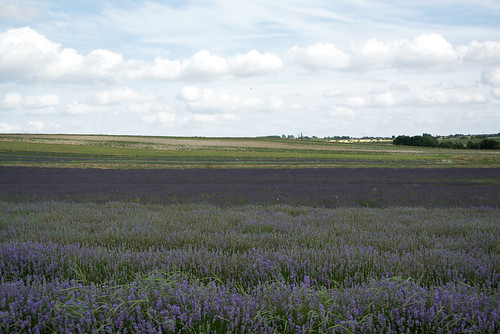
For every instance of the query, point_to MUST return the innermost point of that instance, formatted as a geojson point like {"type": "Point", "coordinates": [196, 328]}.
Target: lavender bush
{"type": "Point", "coordinates": [122, 267]}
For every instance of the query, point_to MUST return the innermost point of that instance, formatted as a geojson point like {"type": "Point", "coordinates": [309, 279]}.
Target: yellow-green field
{"type": "Point", "coordinates": [99, 151]}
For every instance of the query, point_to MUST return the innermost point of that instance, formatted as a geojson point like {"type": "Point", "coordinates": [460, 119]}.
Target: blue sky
{"type": "Point", "coordinates": [250, 68]}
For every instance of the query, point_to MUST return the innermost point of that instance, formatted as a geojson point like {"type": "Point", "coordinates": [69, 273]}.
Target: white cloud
{"type": "Point", "coordinates": [190, 94]}
{"type": "Point", "coordinates": [42, 101]}
{"type": "Point", "coordinates": [6, 127]}
{"type": "Point", "coordinates": [204, 65]}
{"type": "Point", "coordinates": [319, 56]}
{"type": "Point", "coordinates": [466, 98]}
{"type": "Point", "coordinates": [485, 52]}
{"type": "Point", "coordinates": [204, 118]}
{"type": "Point", "coordinates": [496, 92]}
{"type": "Point", "coordinates": [27, 56]}
{"type": "Point", "coordinates": [14, 11]}
{"type": "Point", "coordinates": [78, 108]}
{"type": "Point", "coordinates": [24, 53]}
{"type": "Point", "coordinates": [353, 101]}
{"type": "Point", "coordinates": [11, 101]}
{"type": "Point", "coordinates": [492, 77]}
{"type": "Point", "coordinates": [425, 49]}
{"type": "Point", "coordinates": [433, 97]}
{"type": "Point", "coordinates": [207, 101]}
{"type": "Point", "coordinates": [255, 63]}
{"type": "Point", "coordinates": [42, 125]}
{"type": "Point", "coordinates": [36, 103]}
{"type": "Point", "coordinates": [123, 95]}
{"type": "Point", "coordinates": [164, 118]}
{"type": "Point", "coordinates": [383, 100]}
{"type": "Point", "coordinates": [340, 111]}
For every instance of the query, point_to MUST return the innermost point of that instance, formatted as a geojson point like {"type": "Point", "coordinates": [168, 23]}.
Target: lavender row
{"type": "Point", "coordinates": [172, 303]}
{"type": "Point", "coordinates": [250, 244]}
{"type": "Point", "coordinates": [334, 187]}
{"type": "Point", "coordinates": [329, 267]}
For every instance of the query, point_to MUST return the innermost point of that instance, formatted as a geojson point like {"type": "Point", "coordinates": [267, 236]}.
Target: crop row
{"type": "Point", "coordinates": [467, 187]}
{"type": "Point", "coordinates": [128, 267]}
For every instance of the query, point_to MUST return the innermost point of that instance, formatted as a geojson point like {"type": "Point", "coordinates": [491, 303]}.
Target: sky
{"type": "Point", "coordinates": [234, 68]}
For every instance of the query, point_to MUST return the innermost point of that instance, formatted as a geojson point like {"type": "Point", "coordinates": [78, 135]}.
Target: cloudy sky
{"type": "Point", "coordinates": [250, 67]}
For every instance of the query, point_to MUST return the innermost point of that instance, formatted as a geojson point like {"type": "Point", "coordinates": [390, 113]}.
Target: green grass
{"type": "Point", "coordinates": [161, 152]}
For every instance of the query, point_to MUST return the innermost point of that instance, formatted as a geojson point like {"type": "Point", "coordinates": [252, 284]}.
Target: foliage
{"type": "Point", "coordinates": [425, 141]}
{"type": "Point", "coordinates": [489, 144]}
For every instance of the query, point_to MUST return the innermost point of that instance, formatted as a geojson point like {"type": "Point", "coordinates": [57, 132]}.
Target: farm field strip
{"type": "Point", "coordinates": [325, 187]}
{"type": "Point", "coordinates": [130, 152]}
{"type": "Point", "coordinates": [147, 268]}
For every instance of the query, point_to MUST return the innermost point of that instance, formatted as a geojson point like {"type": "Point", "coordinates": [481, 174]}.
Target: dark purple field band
{"type": "Point", "coordinates": [373, 187]}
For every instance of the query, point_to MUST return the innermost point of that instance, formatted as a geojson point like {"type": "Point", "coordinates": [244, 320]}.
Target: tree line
{"type": "Point", "coordinates": [427, 140]}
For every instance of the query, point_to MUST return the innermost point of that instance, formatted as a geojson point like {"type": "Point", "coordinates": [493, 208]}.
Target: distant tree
{"type": "Point", "coordinates": [446, 144]}
{"type": "Point", "coordinates": [426, 140]}
{"type": "Point", "coordinates": [489, 144]}
{"type": "Point", "coordinates": [472, 146]}
{"type": "Point", "coordinates": [429, 141]}
{"type": "Point", "coordinates": [401, 140]}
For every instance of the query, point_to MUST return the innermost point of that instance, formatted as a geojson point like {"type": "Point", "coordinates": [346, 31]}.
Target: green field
{"type": "Point", "coordinates": [96, 151]}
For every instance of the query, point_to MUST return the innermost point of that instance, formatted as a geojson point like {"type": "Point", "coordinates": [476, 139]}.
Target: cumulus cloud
{"type": "Point", "coordinates": [190, 94]}
{"type": "Point", "coordinates": [255, 63]}
{"type": "Point", "coordinates": [35, 104]}
{"type": "Point", "coordinates": [79, 108]}
{"type": "Point", "coordinates": [26, 55]}
{"type": "Point", "coordinates": [42, 101]}
{"type": "Point", "coordinates": [123, 95]}
{"type": "Point", "coordinates": [204, 65]}
{"type": "Point", "coordinates": [42, 125]}
{"type": "Point", "coordinates": [492, 77]}
{"type": "Point", "coordinates": [208, 101]}
{"type": "Point", "coordinates": [385, 99]}
{"type": "Point", "coordinates": [6, 127]}
{"type": "Point", "coordinates": [319, 56]}
{"type": "Point", "coordinates": [486, 52]}
{"type": "Point", "coordinates": [425, 50]}
{"type": "Point", "coordinates": [340, 111]}
{"type": "Point", "coordinates": [164, 118]}
{"type": "Point", "coordinates": [204, 118]}
{"type": "Point", "coordinates": [29, 57]}
{"type": "Point", "coordinates": [11, 101]}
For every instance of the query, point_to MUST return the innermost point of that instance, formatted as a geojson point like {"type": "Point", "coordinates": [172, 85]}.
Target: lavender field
{"type": "Point", "coordinates": [123, 267]}
{"type": "Point", "coordinates": [317, 187]}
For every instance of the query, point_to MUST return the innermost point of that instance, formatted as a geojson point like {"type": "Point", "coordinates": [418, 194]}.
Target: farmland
{"type": "Point", "coordinates": [222, 235]}
{"type": "Point", "coordinates": [126, 152]}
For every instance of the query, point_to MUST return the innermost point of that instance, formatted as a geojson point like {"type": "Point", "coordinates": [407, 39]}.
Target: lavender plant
{"type": "Point", "coordinates": [124, 267]}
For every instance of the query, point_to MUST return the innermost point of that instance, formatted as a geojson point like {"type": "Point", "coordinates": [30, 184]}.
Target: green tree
{"type": "Point", "coordinates": [489, 144]}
